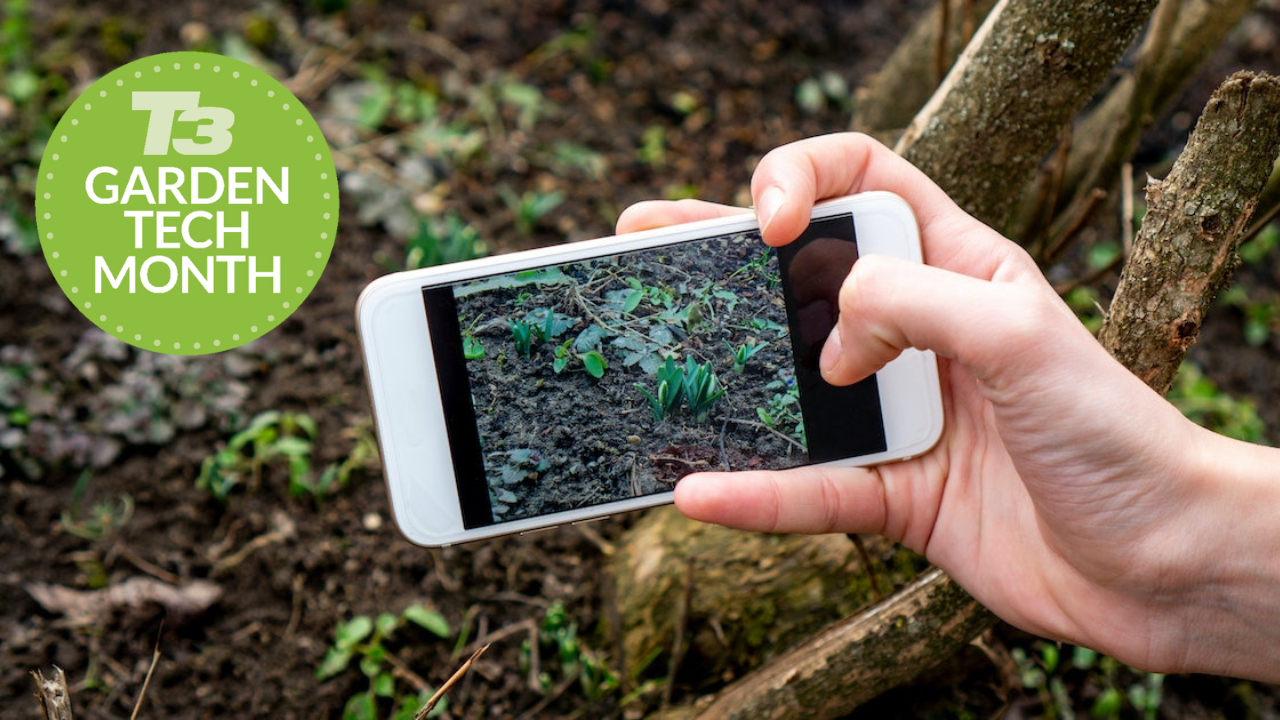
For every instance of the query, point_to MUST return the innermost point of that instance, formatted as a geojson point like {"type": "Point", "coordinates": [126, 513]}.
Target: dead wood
{"type": "Point", "coordinates": [90, 607]}
{"type": "Point", "coordinates": [55, 699]}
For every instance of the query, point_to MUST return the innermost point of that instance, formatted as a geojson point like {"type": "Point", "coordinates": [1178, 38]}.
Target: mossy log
{"type": "Point", "coordinates": [736, 599]}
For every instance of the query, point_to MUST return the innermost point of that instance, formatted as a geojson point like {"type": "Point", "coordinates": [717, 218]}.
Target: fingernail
{"type": "Point", "coordinates": [770, 201]}
{"type": "Point", "coordinates": [830, 352]}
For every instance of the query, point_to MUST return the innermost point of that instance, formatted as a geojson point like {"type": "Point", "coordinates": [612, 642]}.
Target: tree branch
{"type": "Point", "coordinates": [1030, 68]}
{"type": "Point", "coordinates": [1196, 217]}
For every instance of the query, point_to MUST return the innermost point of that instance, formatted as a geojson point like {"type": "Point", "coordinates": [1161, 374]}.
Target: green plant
{"type": "Point", "coordinates": [1113, 687]}
{"type": "Point", "coordinates": [1256, 251]}
{"type": "Point", "coordinates": [743, 353]}
{"type": "Point", "coordinates": [670, 390]}
{"type": "Point", "coordinates": [1201, 400]}
{"type": "Point", "coordinates": [783, 411]}
{"type": "Point", "coordinates": [522, 333]}
{"type": "Point", "coordinates": [471, 347]}
{"type": "Point", "coordinates": [1261, 317]}
{"type": "Point", "coordinates": [548, 325]}
{"type": "Point", "coordinates": [104, 518]}
{"type": "Point", "coordinates": [578, 664]}
{"type": "Point", "coordinates": [530, 207]}
{"type": "Point", "coordinates": [518, 465]}
{"type": "Point", "coordinates": [696, 384]}
{"type": "Point", "coordinates": [271, 436]}
{"type": "Point", "coordinates": [365, 639]}
{"type": "Point", "coordinates": [592, 361]}
{"type": "Point", "coordinates": [701, 389]}
{"type": "Point", "coordinates": [443, 240]}
{"type": "Point", "coordinates": [653, 147]}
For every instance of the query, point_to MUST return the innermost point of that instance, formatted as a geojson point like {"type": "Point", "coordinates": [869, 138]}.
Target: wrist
{"type": "Point", "coordinates": [1231, 620]}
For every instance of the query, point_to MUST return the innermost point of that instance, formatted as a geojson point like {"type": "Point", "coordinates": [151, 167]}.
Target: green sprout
{"type": "Point", "coordinates": [701, 389]}
{"type": "Point", "coordinates": [364, 639]}
{"type": "Point", "coordinates": [783, 411]}
{"type": "Point", "coordinates": [670, 391]}
{"type": "Point", "coordinates": [522, 332]}
{"type": "Point", "coordinates": [530, 207]}
{"type": "Point", "coordinates": [103, 519]}
{"type": "Point", "coordinates": [743, 353]}
{"type": "Point", "coordinates": [271, 436]}
{"type": "Point", "coordinates": [558, 638]}
{"type": "Point", "coordinates": [696, 384]}
{"type": "Point", "coordinates": [592, 361]}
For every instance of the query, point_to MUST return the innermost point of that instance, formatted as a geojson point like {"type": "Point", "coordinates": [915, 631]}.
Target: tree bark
{"type": "Point", "coordinates": [1031, 67]}
{"type": "Point", "coordinates": [1186, 248]}
{"type": "Point", "coordinates": [1109, 134]}
{"type": "Point", "coordinates": [858, 658]}
{"type": "Point", "coordinates": [894, 95]}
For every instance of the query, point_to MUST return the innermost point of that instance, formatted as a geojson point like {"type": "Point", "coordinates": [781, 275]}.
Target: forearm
{"type": "Point", "coordinates": [1233, 619]}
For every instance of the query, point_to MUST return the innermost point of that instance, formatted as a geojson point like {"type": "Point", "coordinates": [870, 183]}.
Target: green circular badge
{"type": "Point", "coordinates": [187, 203]}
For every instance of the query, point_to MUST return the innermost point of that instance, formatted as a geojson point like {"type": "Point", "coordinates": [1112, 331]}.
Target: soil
{"type": "Point", "coordinates": [96, 431]}
{"type": "Point", "coordinates": [691, 303]}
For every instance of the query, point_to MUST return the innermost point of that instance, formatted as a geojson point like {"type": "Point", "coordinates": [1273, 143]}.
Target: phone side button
{"type": "Point", "coordinates": [535, 531]}
{"type": "Point", "coordinates": [591, 520]}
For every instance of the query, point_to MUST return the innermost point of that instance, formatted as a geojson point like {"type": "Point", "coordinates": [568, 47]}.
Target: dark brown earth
{"type": "Point", "coordinates": [714, 81]}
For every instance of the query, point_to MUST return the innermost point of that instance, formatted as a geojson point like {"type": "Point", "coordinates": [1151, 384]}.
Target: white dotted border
{"type": "Point", "coordinates": [102, 319]}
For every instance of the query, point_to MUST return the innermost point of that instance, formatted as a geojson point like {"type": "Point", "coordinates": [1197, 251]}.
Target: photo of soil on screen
{"type": "Point", "coordinates": [613, 378]}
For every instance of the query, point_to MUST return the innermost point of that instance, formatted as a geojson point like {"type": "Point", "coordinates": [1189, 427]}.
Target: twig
{"type": "Point", "coordinates": [401, 669]}
{"type": "Point", "coordinates": [940, 49]}
{"type": "Point", "coordinates": [1126, 208]}
{"type": "Point", "coordinates": [295, 615]}
{"type": "Point", "coordinates": [870, 566]}
{"type": "Point", "coordinates": [1065, 288]}
{"type": "Point", "coordinates": [155, 658]}
{"type": "Point", "coordinates": [677, 645]}
{"type": "Point", "coordinates": [1075, 220]}
{"type": "Point", "coordinates": [762, 426]}
{"type": "Point", "coordinates": [491, 638]}
{"type": "Point", "coordinates": [457, 675]}
{"type": "Point", "coordinates": [155, 571]}
{"type": "Point", "coordinates": [52, 692]}
{"type": "Point", "coordinates": [284, 529]}
{"type": "Point", "coordinates": [1259, 224]}
{"type": "Point", "coordinates": [536, 710]}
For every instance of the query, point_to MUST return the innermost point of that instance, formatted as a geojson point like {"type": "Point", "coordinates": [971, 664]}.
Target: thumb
{"type": "Point", "coordinates": [994, 329]}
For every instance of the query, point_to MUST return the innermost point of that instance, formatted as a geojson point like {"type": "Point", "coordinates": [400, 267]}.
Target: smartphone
{"type": "Point", "coordinates": [564, 384]}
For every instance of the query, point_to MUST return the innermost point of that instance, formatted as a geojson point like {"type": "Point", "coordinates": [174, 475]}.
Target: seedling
{"type": "Point", "coordinates": [559, 636]}
{"type": "Point", "coordinates": [364, 638]}
{"type": "Point", "coordinates": [271, 436]}
{"type": "Point", "coordinates": [104, 518]}
{"type": "Point", "coordinates": [592, 361]}
{"type": "Point", "coordinates": [522, 333]}
{"type": "Point", "coordinates": [443, 240]}
{"type": "Point", "coordinates": [471, 348]}
{"type": "Point", "coordinates": [670, 391]}
{"type": "Point", "coordinates": [696, 384]}
{"type": "Point", "coordinates": [520, 464]}
{"type": "Point", "coordinates": [530, 207]}
{"type": "Point", "coordinates": [783, 411]}
{"type": "Point", "coordinates": [701, 389]}
{"type": "Point", "coordinates": [743, 353]}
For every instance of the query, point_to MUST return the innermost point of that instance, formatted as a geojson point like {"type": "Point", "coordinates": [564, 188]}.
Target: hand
{"type": "Point", "coordinates": [1065, 495]}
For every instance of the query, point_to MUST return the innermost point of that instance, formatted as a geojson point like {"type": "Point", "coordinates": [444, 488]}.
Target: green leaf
{"type": "Point", "coordinates": [595, 364]}
{"type": "Point", "coordinates": [292, 446]}
{"type": "Point", "coordinates": [361, 707]}
{"type": "Point", "coordinates": [387, 624]}
{"type": "Point", "coordinates": [353, 631]}
{"type": "Point", "coordinates": [335, 661]}
{"type": "Point", "coordinates": [306, 423]}
{"type": "Point", "coordinates": [384, 685]}
{"type": "Point", "coordinates": [370, 666]}
{"type": "Point", "coordinates": [428, 619]}
{"type": "Point", "coordinates": [633, 301]}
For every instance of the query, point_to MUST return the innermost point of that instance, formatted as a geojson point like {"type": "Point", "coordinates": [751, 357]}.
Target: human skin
{"type": "Point", "coordinates": [1065, 495]}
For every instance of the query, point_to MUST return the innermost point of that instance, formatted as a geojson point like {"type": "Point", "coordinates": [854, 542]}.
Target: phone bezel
{"type": "Point", "coordinates": [401, 375]}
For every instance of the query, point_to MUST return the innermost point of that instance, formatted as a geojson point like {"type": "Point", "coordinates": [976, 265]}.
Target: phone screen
{"type": "Point", "coordinates": [600, 380]}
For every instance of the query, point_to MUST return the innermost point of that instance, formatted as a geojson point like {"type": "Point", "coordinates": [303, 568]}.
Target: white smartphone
{"type": "Point", "coordinates": [524, 391]}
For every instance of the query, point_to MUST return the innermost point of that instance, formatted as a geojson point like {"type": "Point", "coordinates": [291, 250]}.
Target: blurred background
{"type": "Point", "coordinates": [249, 479]}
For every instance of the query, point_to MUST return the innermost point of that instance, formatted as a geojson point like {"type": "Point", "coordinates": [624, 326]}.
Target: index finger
{"type": "Point", "coordinates": [790, 179]}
